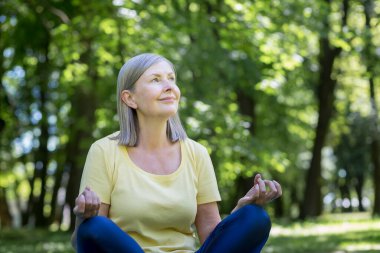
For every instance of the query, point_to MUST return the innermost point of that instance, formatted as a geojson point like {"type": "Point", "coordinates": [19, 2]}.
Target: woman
{"type": "Point", "coordinates": [144, 187]}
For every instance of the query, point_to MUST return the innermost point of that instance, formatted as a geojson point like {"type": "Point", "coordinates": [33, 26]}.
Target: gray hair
{"type": "Point", "coordinates": [129, 125]}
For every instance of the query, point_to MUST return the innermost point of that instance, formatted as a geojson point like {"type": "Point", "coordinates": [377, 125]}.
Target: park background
{"type": "Point", "coordinates": [286, 88]}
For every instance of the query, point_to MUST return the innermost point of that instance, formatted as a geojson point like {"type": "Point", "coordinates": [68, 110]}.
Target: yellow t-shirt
{"type": "Point", "coordinates": [156, 210]}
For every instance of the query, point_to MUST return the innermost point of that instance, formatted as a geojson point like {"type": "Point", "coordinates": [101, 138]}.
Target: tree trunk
{"type": "Point", "coordinates": [5, 215]}
{"type": "Point", "coordinates": [42, 154]}
{"type": "Point", "coordinates": [26, 216]}
{"type": "Point", "coordinates": [247, 107]}
{"type": "Point", "coordinates": [359, 191]}
{"type": "Point", "coordinates": [345, 194]}
{"type": "Point", "coordinates": [41, 165]}
{"type": "Point", "coordinates": [54, 215]}
{"type": "Point", "coordinates": [312, 204]}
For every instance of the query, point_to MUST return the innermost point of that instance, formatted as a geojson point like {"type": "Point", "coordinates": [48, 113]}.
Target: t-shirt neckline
{"type": "Point", "coordinates": [172, 174]}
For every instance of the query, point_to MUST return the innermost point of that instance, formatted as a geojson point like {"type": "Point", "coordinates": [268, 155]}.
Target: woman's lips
{"type": "Point", "coordinates": [168, 99]}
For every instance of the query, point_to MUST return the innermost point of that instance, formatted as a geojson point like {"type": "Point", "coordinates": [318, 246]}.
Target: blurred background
{"type": "Point", "coordinates": [286, 88]}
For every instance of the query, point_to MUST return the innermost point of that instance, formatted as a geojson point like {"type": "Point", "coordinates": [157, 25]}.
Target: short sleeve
{"type": "Point", "coordinates": [207, 184]}
{"type": "Point", "coordinates": [96, 173]}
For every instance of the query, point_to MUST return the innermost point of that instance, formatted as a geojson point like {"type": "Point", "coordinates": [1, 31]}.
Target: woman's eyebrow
{"type": "Point", "coordinates": [157, 74]}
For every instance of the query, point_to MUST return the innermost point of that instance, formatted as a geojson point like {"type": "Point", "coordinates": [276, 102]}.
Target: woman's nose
{"type": "Point", "coordinates": [168, 85]}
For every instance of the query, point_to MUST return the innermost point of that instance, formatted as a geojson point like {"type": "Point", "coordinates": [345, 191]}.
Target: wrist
{"type": "Point", "coordinates": [237, 207]}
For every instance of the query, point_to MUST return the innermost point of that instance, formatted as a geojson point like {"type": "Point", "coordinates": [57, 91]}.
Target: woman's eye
{"type": "Point", "coordinates": [155, 80]}
{"type": "Point", "coordinates": [172, 78]}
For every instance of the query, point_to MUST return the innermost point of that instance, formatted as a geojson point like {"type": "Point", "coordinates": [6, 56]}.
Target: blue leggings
{"type": "Point", "coordinates": [244, 231]}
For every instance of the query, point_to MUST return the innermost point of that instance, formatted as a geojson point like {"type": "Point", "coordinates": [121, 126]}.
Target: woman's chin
{"type": "Point", "coordinates": [165, 115]}
{"type": "Point", "coordinates": [170, 110]}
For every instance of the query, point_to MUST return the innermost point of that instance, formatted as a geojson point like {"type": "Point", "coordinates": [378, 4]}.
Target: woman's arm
{"type": "Point", "coordinates": [206, 220]}
{"type": "Point", "coordinates": [87, 205]}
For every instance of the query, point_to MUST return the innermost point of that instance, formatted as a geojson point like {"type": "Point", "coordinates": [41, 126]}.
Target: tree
{"type": "Point", "coordinates": [312, 204]}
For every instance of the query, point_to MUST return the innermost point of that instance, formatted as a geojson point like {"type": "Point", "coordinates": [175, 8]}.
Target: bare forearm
{"type": "Point", "coordinates": [206, 220]}
{"type": "Point", "coordinates": [206, 231]}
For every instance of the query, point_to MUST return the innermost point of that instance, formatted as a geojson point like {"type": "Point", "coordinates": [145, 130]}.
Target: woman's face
{"type": "Point", "coordinates": [156, 93]}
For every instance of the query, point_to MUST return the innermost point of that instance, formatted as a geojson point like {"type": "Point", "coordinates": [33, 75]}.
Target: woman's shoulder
{"type": "Point", "coordinates": [108, 141]}
{"type": "Point", "coordinates": [195, 147]}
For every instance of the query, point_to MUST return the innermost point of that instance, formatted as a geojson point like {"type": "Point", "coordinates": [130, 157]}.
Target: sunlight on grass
{"type": "Point", "coordinates": [336, 233]}
{"type": "Point", "coordinates": [354, 247]}
{"type": "Point", "coordinates": [323, 229]}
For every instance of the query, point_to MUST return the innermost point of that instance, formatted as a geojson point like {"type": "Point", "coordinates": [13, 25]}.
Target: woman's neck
{"type": "Point", "coordinates": [152, 135]}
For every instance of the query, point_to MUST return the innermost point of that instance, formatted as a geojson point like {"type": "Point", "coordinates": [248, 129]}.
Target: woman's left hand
{"type": "Point", "coordinates": [259, 194]}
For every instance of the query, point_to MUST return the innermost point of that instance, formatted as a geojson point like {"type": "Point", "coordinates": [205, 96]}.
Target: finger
{"type": "Point", "coordinates": [94, 212]}
{"type": "Point", "coordinates": [89, 205]}
{"type": "Point", "coordinates": [278, 187]}
{"type": "Point", "coordinates": [94, 199]}
{"type": "Point", "coordinates": [272, 194]}
{"type": "Point", "coordinates": [255, 181]}
{"type": "Point", "coordinates": [79, 205]}
{"type": "Point", "coordinates": [252, 191]}
{"type": "Point", "coordinates": [271, 185]}
{"type": "Point", "coordinates": [86, 190]}
{"type": "Point", "coordinates": [95, 204]}
{"type": "Point", "coordinates": [247, 200]}
{"type": "Point", "coordinates": [262, 187]}
{"type": "Point", "coordinates": [256, 190]}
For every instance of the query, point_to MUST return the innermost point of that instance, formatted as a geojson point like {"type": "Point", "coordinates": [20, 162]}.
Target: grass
{"type": "Point", "coordinates": [34, 241]}
{"type": "Point", "coordinates": [338, 233]}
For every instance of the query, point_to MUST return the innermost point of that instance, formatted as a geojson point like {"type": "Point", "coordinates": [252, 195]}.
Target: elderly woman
{"type": "Point", "coordinates": [144, 187]}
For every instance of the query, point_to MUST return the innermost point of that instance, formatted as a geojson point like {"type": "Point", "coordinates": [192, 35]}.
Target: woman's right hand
{"type": "Point", "coordinates": [87, 204]}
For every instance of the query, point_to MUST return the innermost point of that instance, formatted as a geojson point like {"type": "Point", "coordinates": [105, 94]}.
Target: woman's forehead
{"type": "Point", "coordinates": [159, 68]}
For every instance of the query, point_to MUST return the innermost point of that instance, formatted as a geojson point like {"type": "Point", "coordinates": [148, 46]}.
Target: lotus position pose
{"type": "Point", "coordinates": [148, 188]}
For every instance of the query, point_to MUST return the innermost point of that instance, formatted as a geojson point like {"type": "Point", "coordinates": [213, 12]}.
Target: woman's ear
{"type": "Point", "coordinates": [127, 97]}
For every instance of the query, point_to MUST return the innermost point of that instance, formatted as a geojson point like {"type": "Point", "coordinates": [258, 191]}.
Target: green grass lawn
{"type": "Point", "coordinates": [337, 233]}
{"type": "Point", "coordinates": [34, 241]}
{"type": "Point", "coordinates": [340, 233]}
